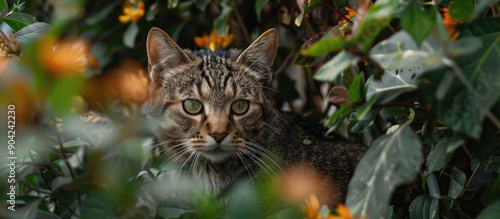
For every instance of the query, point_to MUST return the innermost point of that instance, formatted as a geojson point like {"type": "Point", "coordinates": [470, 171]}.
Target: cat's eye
{"type": "Point", "coordinates": [192, 107]}
{"type": "Point", "coordinates": [240, 107]}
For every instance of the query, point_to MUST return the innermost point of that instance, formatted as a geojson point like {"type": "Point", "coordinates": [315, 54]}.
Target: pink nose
{"type": "Point", "coordinates": [218, 136]}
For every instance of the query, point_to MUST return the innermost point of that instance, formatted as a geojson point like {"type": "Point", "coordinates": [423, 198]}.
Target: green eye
{"type": "Point", "coordinates": [192, 107]}
{"type": "Point", "coordinates": [240, 107]}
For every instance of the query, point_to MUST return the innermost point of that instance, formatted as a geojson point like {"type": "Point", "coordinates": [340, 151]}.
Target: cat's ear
{"type": "Point", "coordinates": [161, 49]}
{"type": "Point", "coordinates": [260, 54]}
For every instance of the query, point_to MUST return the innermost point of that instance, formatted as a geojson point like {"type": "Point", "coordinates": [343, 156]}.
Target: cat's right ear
{"type": "Point", "coordinates": [161, 49]}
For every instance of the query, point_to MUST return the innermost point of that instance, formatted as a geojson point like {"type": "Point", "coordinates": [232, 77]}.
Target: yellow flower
{"type": "Point", "coordinates": [450, 24]}
{"type": "Point", "coordinates": [351, 13]}
{"type": "Point", "coordinates": [214, 41]}
{"type": "Point", "coordinates": [132, 12]}
{"type": "Point", "coordinates": [64, 57]}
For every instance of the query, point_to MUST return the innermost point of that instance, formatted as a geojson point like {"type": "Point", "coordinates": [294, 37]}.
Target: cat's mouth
{"type": "Point", "coordinates": [216, 154]}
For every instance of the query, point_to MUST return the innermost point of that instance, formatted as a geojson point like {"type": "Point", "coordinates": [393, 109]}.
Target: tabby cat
{"type": "Point", "coordinates": [214, 110]}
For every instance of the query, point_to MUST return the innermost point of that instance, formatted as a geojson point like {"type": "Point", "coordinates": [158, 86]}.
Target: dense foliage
{"type": "Point", "coordinates": [418, 81]}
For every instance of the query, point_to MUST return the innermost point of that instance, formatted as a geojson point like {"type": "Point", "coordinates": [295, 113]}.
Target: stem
{"type": "Point", "coordinates": [336, 10]}
{"type": "Point", "coordinates": [470, 179]}
{"type": "Point", "coordinates": [65, 158]}
{"type": "Point", "coordinates": [358, 52]}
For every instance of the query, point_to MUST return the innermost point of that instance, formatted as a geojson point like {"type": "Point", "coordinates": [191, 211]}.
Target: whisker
{"type": "Point", "coordinates": [265, 167]}
{"type": "Point", "coordinates": [248, 167]}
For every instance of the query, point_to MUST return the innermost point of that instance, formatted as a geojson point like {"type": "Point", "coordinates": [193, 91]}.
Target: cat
{"type": "Point", "coordinates": [214, 110]}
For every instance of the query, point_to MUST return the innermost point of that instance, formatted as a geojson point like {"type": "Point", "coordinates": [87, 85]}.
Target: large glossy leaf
{"type": "Point", "coordinates": [333, 68]}
{"type": "Point", "coordinates": [424, 207]}
{"type": "Point", "coordinates": [18, 21]}
{"type": "Point", "coordinates": [391, 160]}
{"type": "Point", "coordinates": [418, 21]}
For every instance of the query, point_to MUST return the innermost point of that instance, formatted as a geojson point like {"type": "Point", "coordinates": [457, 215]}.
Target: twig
{"type": "Point", "coordinates": [242, 26]}
{"type": "Point", "coordinates": [284, 64]}
{"type": "Point", "coordinates": [65, 158]}
{"type": "Point", "coordinates": [336, 10]}
{"type": "Point", "coordinates": [470, 178]}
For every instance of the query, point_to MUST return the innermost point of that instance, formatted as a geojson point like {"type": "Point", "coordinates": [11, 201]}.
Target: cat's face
{"type": "Point", "coordinates": [209, 104]}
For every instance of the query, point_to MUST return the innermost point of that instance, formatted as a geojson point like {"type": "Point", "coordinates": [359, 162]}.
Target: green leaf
{"type": "Point", "coordinates": [424, 207]}
{"type": "Point", "coordinates": [312, 5]}
{"type": "Point", "coordinates": [28, 211]}
{"type": "Point", "coordinates": [377, 18]}
{"type": "Point", "coordinates": [491, 211]}
{"type": "Point", "coordinates": [324, 46]}
{"type": "Point", "coordinates": [345, 107]}
{"type": "Point", "coordinates": [202, 4]}
{"type": "Point", "coordinates": [362, 120]}
{"type": "Point", "coordinates": [389, 87]}
{"type": "Point", "coordinates": [220, 23]}
{"type": "Point", "coordinates": [130, 35]}
{"type": "Point", "coordinates": [259, 5]}
{"type": "Point", "coordinates": [98, 204]}
{"type": "Point", "coordinates": [391, 160]}
{"type": "Point", "coordinates": [436, 158]}
{"type": "Point", "coordinates": [461, 10]}
{"type": "Point", "coordinates": [172, 3]}
{"type": "Point", "coordinates": [173, 208]}
{"type": "Point", "coordinates": [445, 204]}
{"type": "Point", "coordinates": [457, 183]}
{"type": "Point", "coordinates": [3, 5]}
{"type": "Point", "coordinates": [333, 68]}
{"type": "Point", "coordinates": [31, 32]}
{"type": "Point", "coordinates": [362, 110]}
{"type": "Point", "coordinates": [418, 21]}
{"type": "Point", "coordinates": [356, 91]}
{"type": "Point", "coordinates": [18, 21]}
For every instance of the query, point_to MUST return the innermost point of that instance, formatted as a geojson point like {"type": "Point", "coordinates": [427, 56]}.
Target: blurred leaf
{"type": "Point", "coordinates": [339, 115]}
{"type": "Point", "coordinates": [356, 91]}
{"type": "Point", "coordinates": [172, 3]}
{"type": "Point", "coordinates": [492, 192]}
{"type": "Point", "coordinates": [491, 211]}
{"type": "Point", "coordinates": [46, 215]}
{"type": "Point", "coordinates": [28, 211]}
{"type": "Point", "coordinates": [31, 32]}
{"type": "Point", "coordinates": [152, 10]}
{"type": "Point", "coordinates": [98, 204]}
{"type": "Point", "coordinates": [418, 21]}
{"type": "Point", "coordinates": [338, 95]}
{"type": "Point", "coordinates": [461, 10]}
{"type": "Point", "coordinates": [102, 13]}
{"type": "Point", "coordinates": [202, 4]}
{"type": "Point", "coordinates": [130, 35]}
{"type": "Point", "coordinates": [259, 5]}
{"type": "Point", "coordinates": [481, 6]}
{"type": "Point", "coordinates": [312, 5]}
{"type": "Point", "coordinates": [324, 46]}
{"type": "Point", "coordinates": [457, 183]}
{"type": "Point", "coordinates": [362, 110]}
{"type": "Point", "coordinates": [307, 61]}
{"type": "Point", "coordinates": [18, 21]}
{"type": "Point", "coordinates": [363, 118]}
{"type": "Point", "coordinates": [3, 5]}
{"type": "Point", "coordinates": [424, 207]}
{"type": "Point", "coordinates": [333, 68]}
{"type": "Point", "coordinates": [391, 160]}
{"type": "Point", "coordinates": [377, 17]}
{"type": "Point", "coordinates": [62, 92]}
{"type": "Point", "coordinates": [220, 23]}
{"type": "Point", "coordinates": [173, 208]}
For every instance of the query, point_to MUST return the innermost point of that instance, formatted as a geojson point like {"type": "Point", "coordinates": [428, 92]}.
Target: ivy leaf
{"type": "Point", "coordinates": [18, 21]}
{"type": "Point", "coordinates": [391, 160]}
{"type": "Point", "coordinates": [418, 21]}
{"type": "Point", "coordinates": [457, 183]}
{"type": "Point", "coordinates": [424, 207]}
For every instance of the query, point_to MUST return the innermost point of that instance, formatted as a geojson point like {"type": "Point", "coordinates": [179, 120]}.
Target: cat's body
{"type": "Point", "coordinates": [214, 110]}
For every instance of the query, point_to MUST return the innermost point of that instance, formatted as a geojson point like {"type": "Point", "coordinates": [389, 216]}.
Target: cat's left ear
{"type": "Point", "coordinates": [261, 53]}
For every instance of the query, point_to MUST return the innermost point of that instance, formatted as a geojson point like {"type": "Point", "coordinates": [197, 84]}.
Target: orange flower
{"type": "Point", "coordinates": [450, 24]}
{"type": "Point", "coordinates": [342, 213]}
{"type": "Point", "coordinates": [351, 13]}
{"type": "Point", "coordinates": [64, 57]}
{"type": "Point", "coordinates": [132, 12]}
{"type": "Point", "coordinates": [312, 210]}
{"type": "Point", "coordinates": [214, 41]}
